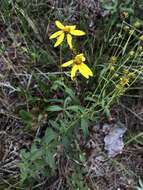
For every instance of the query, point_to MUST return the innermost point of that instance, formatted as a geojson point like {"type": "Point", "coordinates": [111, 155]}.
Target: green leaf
{"type": "Point", "coordinates": [54, 108]}
{"type": "Point", "coordinates": [35, 155]}
{"type": "Point", "coordinates": [90, 99]}
{"type": "Point", "coordinates": [49, 136]}
{"type": "Point", "coordinates": [43, 86]}
{"type": "Point", "coordinates": [74, 108]}
{"type": "Point", "coordinates": [70, 92]}
{"type": "Point", "coordinates": [54, 124]}
{"type": "Point", "coordinates": [84, 126]}
{"type": "Point", "coordinates": [54, 100]}
{"type": "Point", "coordinates": [50, 159]}
{"type": "Point", "coordinates": [26, 116]}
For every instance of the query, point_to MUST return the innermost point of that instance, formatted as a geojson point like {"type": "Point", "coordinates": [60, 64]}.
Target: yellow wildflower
{"type": "Point", "coordinates": [140, 48]}
{"type": "Point", "coordinates": [131, 53]}
{"type": "Point", "coordinates": [78, 64]}
{"type": "Point", "coordinates": [141, 37]}
{"type": "Point", "coordinates": [131, 32]}
{"type": "Point", "coordinates": [125, 14]}
{"type": "Point", "coordinates": [126, 28]}
{"type": "Point", "coordinates": [116, 75]}
{"type": "Point", "coordinates": [112, 68]}
{"type": "Point", "coordinates": [124, 81]}
{"type": "Point", "coordinates": [137, 24]}
{"type": "Point", "coordinates": [67, 30]}
{"type": "Point", "coordinates": [126, 71]}
{"type": "Point", "coordinates": [132, 75]}
{"type": "Point", "coordinates": [113, 59]}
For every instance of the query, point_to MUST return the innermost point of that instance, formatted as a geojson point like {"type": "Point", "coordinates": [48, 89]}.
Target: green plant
{"type": "Point", "coordinates": [71, 114]}
{"type": "Point", "coordinates": [39, 162]}
{"type": "Point", "coordinates": [56, 110]}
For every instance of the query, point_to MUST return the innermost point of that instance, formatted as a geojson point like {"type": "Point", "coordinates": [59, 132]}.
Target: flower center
{"type": "Point", "coordinates": [67, 29]}
{"type": "Point", "coordinates": [78, 60]}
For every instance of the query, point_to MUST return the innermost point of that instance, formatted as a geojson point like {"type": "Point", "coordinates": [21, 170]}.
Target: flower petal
{"type": "Point", "coordinates": [85, 70]}
{"type": "Point", "coordinates": [82, 57]}
{"type": "Point", "coordinates": [72, 27]}
{"type": "Point", "coordinates": [66, 64]}
{"type": "Point", "coordinates": [69, 40]}
{"type": "Point", "coordinates": [56, 34]}
{"type": "Point", "coordinates": [77, 32]}
{"type": "Point", "coordinates": [59, 40]}
{"type": "Point", "coordinates": [73, 71]}
{"type": "Point", "coordinates": [59, 24]}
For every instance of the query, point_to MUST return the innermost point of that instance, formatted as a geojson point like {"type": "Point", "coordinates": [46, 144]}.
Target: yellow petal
{"type": "Point", "coordinates": [82, 57]}
{"type": "Point", "coordinates": [66, 64]}
{"type": "Point", "coordinates": [69, 40]}
{"type": "Point", "coordinates": [85, 70]}
{"type": "Point", "coordinates": [59, 40]}
{"type": "Point", "coordinates": [56, 34]}
{"type": "Point", "coordinates": [73, 71]}
{"type": "Point", "coordinates": [59, 24]}
{"type": "Point", "coordinates": [77, 32]}
{"type": "Point", "coordinates": [72, 27]}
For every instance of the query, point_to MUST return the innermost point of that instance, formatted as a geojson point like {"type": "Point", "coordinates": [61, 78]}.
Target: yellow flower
{"type": "Point", "coordinates": [126, 71]}
{"type": "Point", "coordinates": [67, 30]}
{"type": "Point", "coordinates": [124, 81]}
{"type": "Point", "coordinates": [116, 75]}
{"type": "Point", "coordinates": [140, 48]}
{"type": "Point", "coordinates": [137, 24]}
{"type": "Point", "coordinates": [113, 59]}
{"type": "Point", "coordinates": [141, 38]}
{"type": "Point", "coordinates": [132, 75]}
{"type": "Point", "coordinates": [131, 53]}
{"type": "Point", "coordinates": [78, 64]}
{"type": "Point", "coordinates": [112, 68]}
{"type": "Point", "coordinates": [131, 32]}
{"type": "Point", "coordinates": [125, 14]}
{"type": "Point", "coordinates": [126, 28]}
